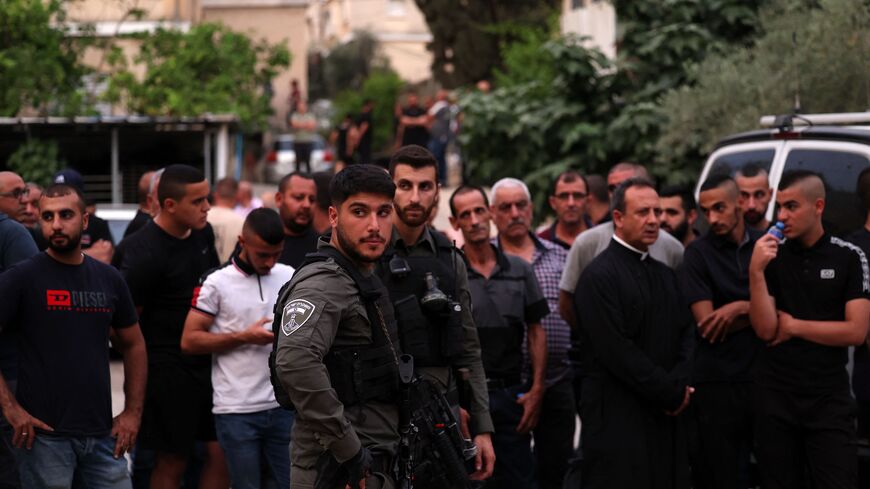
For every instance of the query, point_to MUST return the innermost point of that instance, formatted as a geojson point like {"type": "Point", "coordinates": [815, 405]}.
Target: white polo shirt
{"type": "Point", "coordinates": [237, 297]}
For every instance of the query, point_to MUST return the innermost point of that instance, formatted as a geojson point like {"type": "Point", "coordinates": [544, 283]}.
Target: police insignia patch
{"type": "Point", "coordinates": [295, 314]}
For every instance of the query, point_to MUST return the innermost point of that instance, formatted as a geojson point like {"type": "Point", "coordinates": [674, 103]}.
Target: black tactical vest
{"type": "Point", "coordinates": [359, 373]}
{"type": "Point", "coordinates": [432, 337]}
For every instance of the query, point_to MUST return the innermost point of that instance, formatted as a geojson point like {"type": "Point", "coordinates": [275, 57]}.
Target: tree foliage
{"type": "Point", "coordinates": [465, 46]}
{"type": "Point", "coordinates": [36, 161]}
{"type": "Point", "coordinates": [559, 104]}
{"type": "Point", "coordinates": [39, 62]}
{"type": "Point", "coordinates": [383, 87]}
{"type": "Point", "coordinates": [346, 66]}
{"type": "Point", "coordinates": [825, 50]}
{"type": "Point", "coordinates": [210, 68]}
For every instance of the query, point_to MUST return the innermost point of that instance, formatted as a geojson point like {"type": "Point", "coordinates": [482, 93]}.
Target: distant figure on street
{"type": "Point", "coordinates": [245, 199]}
{"type": "Point", "coordinates": [227, 225]}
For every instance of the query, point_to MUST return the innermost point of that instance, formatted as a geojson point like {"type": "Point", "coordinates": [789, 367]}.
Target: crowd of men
{"type": "Point", "coordinates": [344, 341]}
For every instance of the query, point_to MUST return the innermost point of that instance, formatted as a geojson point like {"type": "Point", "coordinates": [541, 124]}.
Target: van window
{"type": "Point", "coordinates": [731, 162]}
{"type": "Point", "coordinates": [840, 170]}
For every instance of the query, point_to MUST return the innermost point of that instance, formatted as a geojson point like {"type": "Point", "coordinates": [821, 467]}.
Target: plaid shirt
{"type": "Point", "coordinates": [548, 260]}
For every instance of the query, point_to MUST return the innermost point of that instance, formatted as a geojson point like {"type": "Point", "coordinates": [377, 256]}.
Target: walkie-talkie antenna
{"type": "Point", "coordinates": [797, 90]}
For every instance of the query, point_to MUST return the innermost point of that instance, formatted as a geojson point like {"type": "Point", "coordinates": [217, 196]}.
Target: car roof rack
{"type": "Point", "coordinates": [834, 119]}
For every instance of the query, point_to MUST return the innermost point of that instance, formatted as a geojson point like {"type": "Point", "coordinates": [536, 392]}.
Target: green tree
{"type": "Point", "coordinates": [559, 104]}
{"type": "Point", "coordinates": [347, 66]}
{"type": "Point", "coordinates": [35, 161]}
{"type": "Point", "coordinates": [466, 45]}
{"type": "Point", "coordinates": [39, 62]}
{"type": "Point", "coordinates": [383, 88]}
{"type": "Point", "coordinates": [210, 68]}
{"type": "Point", "coordinates": [824, 51]}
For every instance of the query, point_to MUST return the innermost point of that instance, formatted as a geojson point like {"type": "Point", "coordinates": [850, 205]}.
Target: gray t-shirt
{"type": "Point", "coordinates": [590, 243]}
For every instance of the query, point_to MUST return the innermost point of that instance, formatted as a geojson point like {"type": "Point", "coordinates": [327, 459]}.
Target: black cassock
{"type": "Point", "coordinates": [636, 349]}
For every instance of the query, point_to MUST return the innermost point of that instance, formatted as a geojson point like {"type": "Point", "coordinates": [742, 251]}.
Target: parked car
{"type": "Point", "coordinates": [118, 216]}
{"type": "Point", "coordinates": [837, 146]}
{"type": "Point", "coordinates": [281, 160]}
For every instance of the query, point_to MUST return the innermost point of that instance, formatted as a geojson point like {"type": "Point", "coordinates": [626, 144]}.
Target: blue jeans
{"type": "Point", "coordinates": [55, 460]}
{"type": "Point", "coordinates": [514, 461]}
{"type": "Point", "coordinates": [247, 438]}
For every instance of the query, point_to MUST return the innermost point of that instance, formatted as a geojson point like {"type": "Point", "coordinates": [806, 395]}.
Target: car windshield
{"type": "Point", "coordinates": [840, 169]}
{"type": "Point", "coordinates": [287, 144]}
{"type": "Point", "coordinates": [729, 163]}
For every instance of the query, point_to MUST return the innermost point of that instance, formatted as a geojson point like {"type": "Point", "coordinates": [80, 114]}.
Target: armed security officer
{"type": "Point", "coordinates": [418, 261]}
{"type": "Point", "coordinates": [334, 319]}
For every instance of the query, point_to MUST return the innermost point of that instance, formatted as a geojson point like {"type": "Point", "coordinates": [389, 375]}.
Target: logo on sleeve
{"type": "Point", "coordinates": [295, 314]}
{"type": "Point", "coordinates": [827, 273]}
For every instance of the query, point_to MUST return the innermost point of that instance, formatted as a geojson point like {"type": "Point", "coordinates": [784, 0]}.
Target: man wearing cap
{"type": "Point", "coordinates": [97, 240]}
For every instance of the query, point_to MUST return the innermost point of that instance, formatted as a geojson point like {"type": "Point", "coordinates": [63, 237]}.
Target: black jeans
{"type": "Point", "coordinates": [514, 463]}
{"type": "Point", "coordinates": [806, 440]}
{"type": "Point", "coordinates": [554, 434]}
{"type": "Point", "coordinates": [303, 155]}
{"type": "Point", "coordinates": [721, 423]}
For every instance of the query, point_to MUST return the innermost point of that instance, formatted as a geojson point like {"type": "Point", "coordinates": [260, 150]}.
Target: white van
{"type": "Point", "coordinates": [837, 146]}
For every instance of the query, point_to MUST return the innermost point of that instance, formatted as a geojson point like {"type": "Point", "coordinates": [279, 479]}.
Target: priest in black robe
{"type": "Point", "coordinates": [637, 340]}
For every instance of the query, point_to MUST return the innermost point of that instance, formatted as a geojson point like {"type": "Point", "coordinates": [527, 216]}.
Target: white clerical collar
{"type": "Point", "coordinates": [643, 254]}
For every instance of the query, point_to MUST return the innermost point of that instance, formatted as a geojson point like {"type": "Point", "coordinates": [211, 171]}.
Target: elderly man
{"type": "Point", "coordinates": [554, 434]}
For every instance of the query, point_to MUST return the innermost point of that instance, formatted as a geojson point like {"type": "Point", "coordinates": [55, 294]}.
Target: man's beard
{"type": "Point", "coordinates": [294, 226]}
{"type": "Point", "coordinates": [350, 248]}
{"type": "Point", "coordinates": [680, 232]}
{"type": "Point", "coordinates": [753, 217]}
{"type": "Point", "coordinates": [424, 216]}
{"type": "Point", "coordinates": [71, 244]}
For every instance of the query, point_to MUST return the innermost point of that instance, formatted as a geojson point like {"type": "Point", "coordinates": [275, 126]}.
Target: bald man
{"type": "Point", "coordinates": [809, 301]}
{"type": "Point", "coordinates": [16, 245]}
{"type": "Point", "coordinates": [143, 213]}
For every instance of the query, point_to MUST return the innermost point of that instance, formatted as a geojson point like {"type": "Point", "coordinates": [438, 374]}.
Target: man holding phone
{"type": "Point", "coordinates": [231, 318]}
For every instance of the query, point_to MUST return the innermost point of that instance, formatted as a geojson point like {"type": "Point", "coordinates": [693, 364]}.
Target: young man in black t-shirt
{"type": "Point", "coordinates": [162, 265]}
{"type": "Point", "coordinates": [715, 282]}
{"type": "Point", "coordinates": [809, 302]}
{"type": "Point", "coordinates": [64, 305]}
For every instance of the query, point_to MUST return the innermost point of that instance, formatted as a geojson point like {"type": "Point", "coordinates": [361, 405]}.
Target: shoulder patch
{"type": "Point", "coordinates": [295, 314]}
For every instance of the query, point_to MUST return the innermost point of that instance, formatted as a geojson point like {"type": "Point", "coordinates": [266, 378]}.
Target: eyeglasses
{"type": "Point", "coordinates": [567, 195]}
{"type": "Point", "coordinates": [16, 193]}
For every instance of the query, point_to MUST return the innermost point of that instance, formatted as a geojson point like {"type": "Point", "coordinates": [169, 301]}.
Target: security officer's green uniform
{"type": "Point", "coordinates": [435, 254]}
{"type": "Point", "coordinates": [322, 313]}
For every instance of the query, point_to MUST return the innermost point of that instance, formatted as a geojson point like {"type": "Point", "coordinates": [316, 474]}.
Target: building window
{"type": "Point", "coordinates": [576, 4]}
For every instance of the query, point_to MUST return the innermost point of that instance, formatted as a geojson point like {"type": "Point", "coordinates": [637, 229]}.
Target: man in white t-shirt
{"type": "Point", "coordinates": [231, 318]}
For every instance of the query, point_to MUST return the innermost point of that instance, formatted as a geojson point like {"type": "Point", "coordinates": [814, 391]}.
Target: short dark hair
{"type": "Point", "coordinates": [321, 181]}
{"type": "Point", "coordinates": [62, 190]}
{"type": "Point", "coordinates": [715, 181]}
{"type": "Point", "coordinates": [265, 223]}
{"type": "Point", "coordinates": [597, 187]}
{"type": "Point", "coordinates": [618, 201]}
{"type": "Point", "coordinates": [681, 191]}
{"type": "Point", "coordinates": [415, 156]}
{"type": "Point", "coordinates": [174, 180]}
{"type": "Point", "coordinates": [464, 189]}
{"type": "Point", "coordinates": [282, 185]}
{"type": "Point", "coordinates": [750, 170]}
{"type": "Point", "coordinates": [568, 176]}
{"type": "Point", "coordinates": [793, 177]}
{"type": "Point", "coordinates": [863, 188]}
{"type": "Point", "coordinates": [226, 188]}
{"type": "Point", "coordinates": [358, 179]}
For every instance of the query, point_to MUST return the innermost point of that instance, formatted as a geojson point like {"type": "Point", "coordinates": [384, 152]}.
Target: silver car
{"type": "Point", "coordinates": [281, 160]}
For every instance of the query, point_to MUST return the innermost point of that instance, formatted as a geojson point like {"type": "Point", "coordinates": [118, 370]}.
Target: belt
{"type": "Point", "coordinates": [494, 384]}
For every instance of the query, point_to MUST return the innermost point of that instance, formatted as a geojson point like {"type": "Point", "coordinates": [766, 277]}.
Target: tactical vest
{"type": "Point", "coordinates": [433, 338]}
{"type": "Point", "coordinates": [358, 373]}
